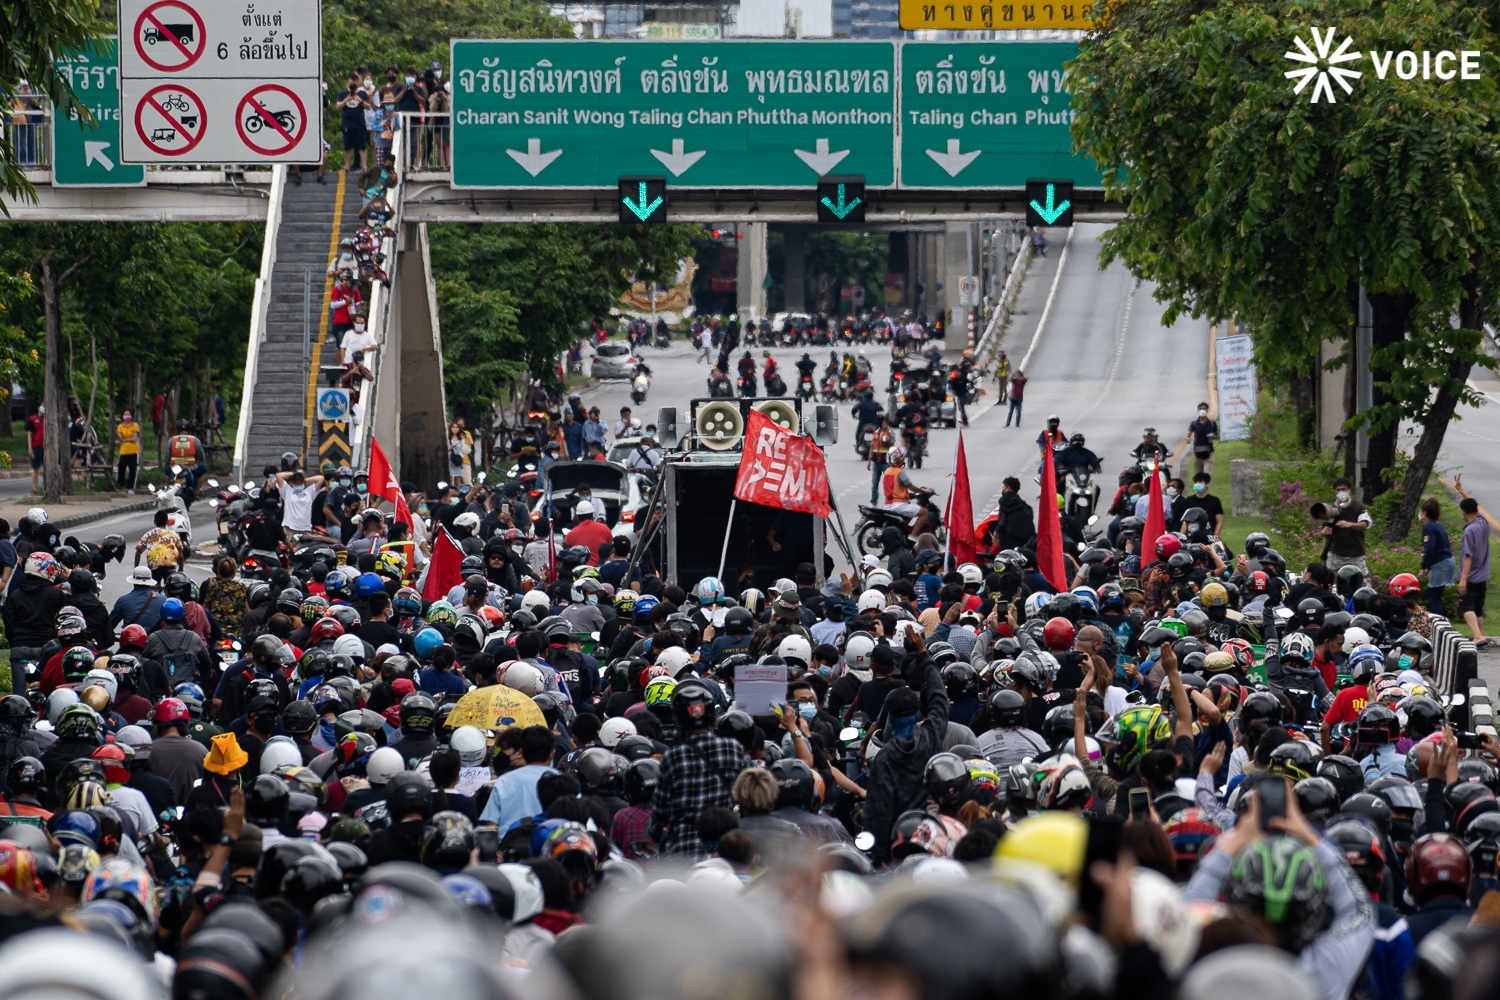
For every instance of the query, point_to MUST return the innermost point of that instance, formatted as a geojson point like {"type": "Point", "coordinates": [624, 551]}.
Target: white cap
{"type": "Point", "coordinates": [468, 519]}
{"type": "Point", "coordinates": [387, 649]}
{"type": "Point", "coordinates": [584, 508]}
{"type": "Point", "coordinates": [869, 561]}
{"type": "Point", "coordinates": [141, 575]}
{"type": "Point", "coordinates": [535, 599]}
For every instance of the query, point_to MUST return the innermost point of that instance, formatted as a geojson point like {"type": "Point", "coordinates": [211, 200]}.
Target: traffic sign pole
{"type": "Point", "coordinates": [88, 154]}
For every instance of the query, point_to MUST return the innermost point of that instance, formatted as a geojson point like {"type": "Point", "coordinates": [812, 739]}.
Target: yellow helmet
{"type": "Point", "coordinates": [1053, 840]}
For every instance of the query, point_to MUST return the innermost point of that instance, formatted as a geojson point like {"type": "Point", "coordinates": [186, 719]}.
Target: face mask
{"type": "Point", "coordinates": [808, 709]}
{"type": "Point", "coordinates": [1342, 496]}
{"type": "Point", "coordinates": [1202, 413]}
{"type": "Point", "coordinates": [41, 410]}
{"type": "Point", "coordinates": [299, 489]}
{"type": "Point", "coordinates": [454, 500]}
{"type": "Point", "coordinates": [410, 80]}
{"type": "Point", "coordinates": [593, 599]}
{"type": "Point", "coordinates": [826, 671]}
{"type": "Point", "coordinates": [1200, 487]}
{"type": "Point", "coordinates": [1171, 491]}
{"type": "Point", "coordinates": [362, 489]}
{"type": "Point", "coordinates": [422, 509]}
{"type": "Point", "coordinates": [369, 86]}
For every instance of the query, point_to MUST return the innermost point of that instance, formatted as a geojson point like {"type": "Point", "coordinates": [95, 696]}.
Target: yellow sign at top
{"type": "Point", "coordinates": [919, 14]}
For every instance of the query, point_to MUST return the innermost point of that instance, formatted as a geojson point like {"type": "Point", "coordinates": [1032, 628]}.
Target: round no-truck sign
{"type": "Point", "coordinates": [270, 119]}
{"type": "Point", "coordinates": [170, 120]}
{"type": "Point", "coordinates": [169, 36]}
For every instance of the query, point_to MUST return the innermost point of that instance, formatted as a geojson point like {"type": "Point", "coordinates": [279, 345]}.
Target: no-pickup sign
{"type": "Point", "coordinates": [271, 119]}
{"type": "Point", "coordinates": [170, 120]}
{"type": "Point", "coordinates": [169, 36]}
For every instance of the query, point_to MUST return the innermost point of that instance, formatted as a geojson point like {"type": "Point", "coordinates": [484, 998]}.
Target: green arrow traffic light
{"type": "Point", "coordinates": [843, 208]}
{"type": "Point", "coordinates": [1053, 211]}
{"type": "Point", "coordinates": [642, 209]}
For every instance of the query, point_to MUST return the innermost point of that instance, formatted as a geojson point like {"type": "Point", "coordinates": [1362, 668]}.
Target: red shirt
{"type": "Point", "coordinates": [35, 424]}
{"type": "Point", "coordinates": [341, 302]}
{"type": "Point", "coordinates": [1329, 670]}
{"type": "Point", "coordinates": [591, 535]}
{"type": "Point", "coordinates": [156, 406]}
{"type": "Point", "coordinates": [1347, 704]}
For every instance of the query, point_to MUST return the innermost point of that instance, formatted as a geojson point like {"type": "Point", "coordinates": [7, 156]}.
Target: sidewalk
{"type": "Point", "coordinates": [76, 510]}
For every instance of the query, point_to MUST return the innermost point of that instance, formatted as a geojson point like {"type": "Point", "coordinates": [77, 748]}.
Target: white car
{"type": "Point", "coordinates": [612, 359]}
{"type": "Point", "coordinates": [622, 493]}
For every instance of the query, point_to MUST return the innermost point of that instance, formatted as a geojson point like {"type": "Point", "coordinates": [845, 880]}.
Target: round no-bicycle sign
{"type": "Point", "coordinates": [270, 119]}
{"type": "Point", "coordinates": [170, 120]}
{"type": "Point", "coordinates": [169, 36]}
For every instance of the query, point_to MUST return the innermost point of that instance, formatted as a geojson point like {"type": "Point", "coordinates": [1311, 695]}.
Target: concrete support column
{"type": "Point", "coordinates": [957, 249]}
{"type": "Point", "coordinates": [909, 292]}
{"type": "Point", "coordinates": [1333, 391]}
{"type": "Point", "coordinates": [419, 404]}
{"type": "Point", "coordinates": [751, 273]}
{"type": "Point", "coordinates": [933, 301]}
{"type": "Point", "coordinates": [795, 262]}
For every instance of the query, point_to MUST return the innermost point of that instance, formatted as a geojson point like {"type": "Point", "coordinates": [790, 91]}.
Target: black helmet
{"type": "Point", "coordinates": [257, 595]}
{"type": "Point", "coordinates": [266, 801]}
{"type": "Point", "coordinates": [16, 714]}
{"type": "Point", "coordinates": [961, 681]}
{"type": "Point", "coordinates": [740, 727]}
{"type": "Point", "coordinates": [288, 601]}
{"type": "Point", "coordinates": [352, 861]}
{"type": "Point", "coordinates": [299, 717]}
{"type": "Point", "coordinates": [502, 891]}
{"type": "Point", "coordinates": [640, 780]}
{"type": "Point", "coordinates": [1261, 705]}
{"type": "Point", "coordinates": [1378, 724]}
{"type": "Point", "coordinates": [408, 792]}
{"type": "Point", "coordinates": [1279, 879]}
{"type": "Point", "coordinates": [1423, 716]}
{"type": "Point", "coordinates": [635, 748]}
{"type": "Point", "coordinates": [418, 714]}
{"type": "Point", "coordinates": [599, 770]}
{"type": "Point", "coordinates": [238, 914]}
{"type": "Point", "coordinates": [179, 586]}
{"type": "Point", "coordinates": [1317, 798]}
{"type": "Point", "coordinates": [309, 880]}
{"type": "Point", "coordinates": [25, 776]}
{"type": "Point", "coordinates": [1293, 759]}
{"type": "Point", "coordinates": [738, 621]}
{"type": "Point", "coordinates": [1345, 773]}
{"type": "Point", "coordinates": [797, 786]}
{"type": "Point", "coordinates": [1474, 769]}
{"type": "Point", "coordinates": [447, 840]}
{"type": "Point", "coordinates": [1007, 709]}
{"type": "Point", "coordinates": [946, 777]}
{"type": "Point", "coordinates": [1065, 605]}
{"type": "Point", "coordinates": [1310, 611]}
{"type": "Point", "coordinates": [1057, 726]}
{"type": "Point", "coordinates": [1370, 806]}
{"type": "Point", "coordinates": [693, 706]}
{"type": "Point", "coordinates": [277, 860]}
{"type": "Point", "coordinates": [219, 962]}
{"type": "Point", "coordinates": [266, 649]}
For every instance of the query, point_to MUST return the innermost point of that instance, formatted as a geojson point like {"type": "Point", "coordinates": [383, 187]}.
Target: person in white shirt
{"type": "Point", "coordinates": [622, 426]}
{"type": "Point", "coordinates": [644, 457]}
{"type": "Point", "coordinates": [297, 493]}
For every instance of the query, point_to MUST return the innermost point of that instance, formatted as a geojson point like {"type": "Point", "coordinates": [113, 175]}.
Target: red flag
{"type": "Point", "coordinates": [445, 568]}
{"type": "Point", "coordinates": [383, 482]}
{"type": "Point", "coordinates": [781, 469]}
{"type": "Point", "coordinates": [1156, 518]}
{"type": "Point", "coordinates": [961, 511]}
{"type": "Point", "coordinates": [1049, 540]}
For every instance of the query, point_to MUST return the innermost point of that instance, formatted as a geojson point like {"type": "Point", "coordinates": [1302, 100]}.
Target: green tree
{"type": "Point", "coordinates": [512, 298]}
{"type": "Point", "coordinates": [1247, 199]}
{"type": "Point", "coordinates": [31, 33]}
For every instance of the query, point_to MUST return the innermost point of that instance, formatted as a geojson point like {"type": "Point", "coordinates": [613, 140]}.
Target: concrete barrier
{"type": "Point", "coordinates": [1455, 669]}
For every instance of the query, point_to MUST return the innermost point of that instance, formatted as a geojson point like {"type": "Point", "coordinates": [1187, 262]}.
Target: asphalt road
{"type": "Point", "coordinates": [1102, 360]}
{"type": "Point", "coordinates": [133, 525]}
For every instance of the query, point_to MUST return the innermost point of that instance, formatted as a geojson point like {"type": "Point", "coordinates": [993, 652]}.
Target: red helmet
{"type": "Point", "coordinates": [1058, 634]}
{"type": "Point", "coordinates": [326, 629]}
{"type": "Point", "coordinates": [1241, 652]}
{"type": "Point", "coordinates": [113, 758]}
{"type": "Point", "coordinates": [1437, 865]}
{"type": "Point", "coordinates": [133, 637]}
{"type": "Point", "coordinates": [18, 868]}
{"type": "Point", "coordinates": [1260, 582]}
{"type": "Point", "coordinates": [1404, 583]}
{"type": "Point", "coordinates": [1167, 546]}
{"type": "Point", "coordinates": [170, 710]}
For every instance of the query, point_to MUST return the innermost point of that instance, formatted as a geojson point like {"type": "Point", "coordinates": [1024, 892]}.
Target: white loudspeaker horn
{"type": "Point", "coordinates": [782, 413]}
{"type": "Point", "coordinates": [719, 425]}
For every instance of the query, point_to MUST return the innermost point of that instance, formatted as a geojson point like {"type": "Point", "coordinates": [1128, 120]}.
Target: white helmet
{"type": "Point", "coordinates": [137, 738]}
{"type": "Point", "coordinates": [614, 730]}
{"type": "Point", "coordinates": [281, 751]}
{"type": "Point", "coordinates": [525, 678]}
{"type": "Point", "coordinates": [878, 578]}
{"type": "Point", "coordinates": [384, 764]}
{"type": "Point", "coordinates": [58, 701]}
{"type": "Point", "coordinates": [871, 600]}
{"type": "Point", "coordinates": [675, 659]}
{"type": "Point", "coordinates": [470, 745]}
{"type": "Point", "coordinates": [857, 651]}
{"type": "Point", "coordinates": [38, 514]}
{"type": "Point", "coordinates": [535, 599]}
{"type": "Point", "coordinates": [528, 890]}
{"type": "Point", "coordinates": [1157, 910]}
{"type": "Point", "coordinates": [970, 573]}
{"type": "Point", "coordinates": [784, 586]}
{"type": "Point", "coordinates": [104, 679]}
{"type": "Point", "coordinates": [1035, 603]}
{"type": "Point", "coordinates": [1354, 636]}
{"type": "Point", "coordinates": [795, 647]}
{"type": "Point", "coordinates": [583, 588]}
{"type": "Point", "coordinates": [468, 519]}
{"type": "Point", "coordinates": [351, 646]}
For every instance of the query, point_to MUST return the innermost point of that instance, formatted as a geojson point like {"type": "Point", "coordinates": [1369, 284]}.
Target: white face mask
{"type": "Point", "coordinates": [1171, 491]}
{"type": "Point", "coordinates": [1202, 413]}
{"type": "Point", "coordinates": [410, 80]}
{"type": "Point", "coordinates": [1342, 496]}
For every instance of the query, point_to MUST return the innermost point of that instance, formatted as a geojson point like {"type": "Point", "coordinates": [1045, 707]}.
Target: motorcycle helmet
{"type": "Point", "coordinates": [946, 778]}
{"type": "Point", "coordinates": [1279, 879]}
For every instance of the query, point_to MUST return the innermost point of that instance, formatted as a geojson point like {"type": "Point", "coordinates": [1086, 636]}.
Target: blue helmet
{"type": "Point", "coordinates": [77, 827]}
{"type": "Point", "coordinates": [191, 695]}
{"type": "Point", "coordinates": [644, 605]}
{"type": "Point", "coordinates": [367, 584]}
{"type": "Point", "coordinates": [172, 610]}
{"type": "Point", "coordinates": [1087, 598]}
{"type": "Point", "coordinates": [1364, 662]}
{"type": "Point", "coordinates": [709, 591]}
{"type": "Point", "coordinates": [468, 891]}
{"type": "Point", "coordinates": [1036, 602]}
{"type": "Point", "coordinates": [339, 584]}
{"type": "Point", "coordinates": [426, 641]}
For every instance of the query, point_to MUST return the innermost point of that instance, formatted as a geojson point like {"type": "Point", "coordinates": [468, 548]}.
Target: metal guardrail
{"type": "Point", "coordinates": [428, 139]}
{"type": "Point", "coordinates": [260, 308]}
{"type": "Point", "coordinates": [29, 133]}
{"type": "Point", "coordinates": [379, 313]}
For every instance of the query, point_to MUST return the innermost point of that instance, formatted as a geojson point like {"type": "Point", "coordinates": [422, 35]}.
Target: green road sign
{"type": "Point", "coordinates": [987, 115]}
{"type": "Point", "coordinates": [841, 199]}
{"type": "Point", "coordinates": [643, 199]}
{"type": "Point", "coordinates": [87, 154]}
{"type": "Point", "coordinates": [1049, 203]}
{"type": "Point", "coordinates": [582, 114]}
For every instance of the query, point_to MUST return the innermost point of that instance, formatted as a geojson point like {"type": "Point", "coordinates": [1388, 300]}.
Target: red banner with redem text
{"type": "Point", "coordinates": [781, 469]}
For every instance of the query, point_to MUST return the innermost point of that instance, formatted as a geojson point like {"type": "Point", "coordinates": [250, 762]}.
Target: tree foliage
{"type": "Point", "coordinates": [1247, 199]}
{"type": "Point", "coordinates": [512, 298]}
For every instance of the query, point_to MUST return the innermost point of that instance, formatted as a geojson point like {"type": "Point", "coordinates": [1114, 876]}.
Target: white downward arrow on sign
{"type": "Point", "coordinates": [95, 151]}
{"type": "Point", "coordinates": [822, 159]}
{"type": "Point", "coordinates": [533, 161]}
{"type": "Point", "coordinates": [678, 160]}
{"type": "Point", "coordinates": [953, 161]}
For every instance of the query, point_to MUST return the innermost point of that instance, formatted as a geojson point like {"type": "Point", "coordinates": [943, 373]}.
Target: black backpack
{"type": "Point", "coordinates": [178, 657]}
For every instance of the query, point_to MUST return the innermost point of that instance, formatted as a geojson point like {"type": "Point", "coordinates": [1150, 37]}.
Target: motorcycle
{"type": "Point", "coordinates": [747, 386]}
{"type": "Point", "coordinates": [833, 389]}
{"type": "Point", "coordinates": [171, 500]}
{"type": "Point", "coordinates": [663, 339]}
{"type": "Point", "coordinates": [774, 385]}
{"type": "Point", "coordinates": [638, 387]}
{"type": "Point", "coordinates": [1082, 493]}
{"type": "Point", "coordinates": [916, 447]}
{"type": "Point", "coordinates": [874, 520]}
{"type": "Point", "coordinates": [720, 388]}
{"type": "Point", "coordinates": [863, 440]}
{"type": "Point", "coordinates": [806, 390]}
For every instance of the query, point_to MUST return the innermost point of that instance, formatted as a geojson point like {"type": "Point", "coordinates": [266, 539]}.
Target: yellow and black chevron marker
{"type": "Point", "coordinates": [333, 443]}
